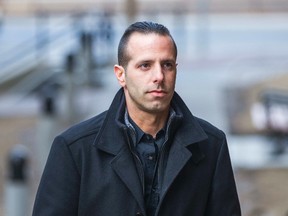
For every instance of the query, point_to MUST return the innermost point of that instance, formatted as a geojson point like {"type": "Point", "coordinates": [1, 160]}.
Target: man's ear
{"type": "Point", "coordinates": [120, 74]}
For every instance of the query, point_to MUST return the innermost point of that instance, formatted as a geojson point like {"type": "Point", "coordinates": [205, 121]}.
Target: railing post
{"type": "Point", "coordinates": [16, 188]}
{"type": "Point", "coordinates": [85, 59]}
{"type": "Point", "coordinates": [131, 7]}
{"type": "Point", "coordinates": [70, 89]}
{"type": "Point", "coordinates": [47, 123]}
{"type": "Point", "coordinates": [203, 28]}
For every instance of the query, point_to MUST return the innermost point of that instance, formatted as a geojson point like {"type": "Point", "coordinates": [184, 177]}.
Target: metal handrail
{"type": "Point", "coordinates": [30, 52]}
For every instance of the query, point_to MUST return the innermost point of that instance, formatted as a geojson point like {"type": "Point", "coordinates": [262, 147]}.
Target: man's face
{"type": "Point", "coordinates": [149, 78]}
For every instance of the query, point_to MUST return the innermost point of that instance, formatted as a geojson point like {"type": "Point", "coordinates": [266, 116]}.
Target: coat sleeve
{"type": "Point", "coordinates": [223, 199]}
{"type": "Point", "coordinates": [58, 191]}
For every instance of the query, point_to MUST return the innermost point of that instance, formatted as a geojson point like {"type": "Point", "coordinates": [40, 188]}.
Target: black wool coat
{"type": "Point", "coordinates": [90, 170]}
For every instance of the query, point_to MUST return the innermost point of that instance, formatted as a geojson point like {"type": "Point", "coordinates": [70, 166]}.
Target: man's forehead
{"type": "Point", "coordinates": [142, 44]}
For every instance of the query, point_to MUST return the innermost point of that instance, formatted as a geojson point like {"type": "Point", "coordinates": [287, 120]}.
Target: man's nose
{"type": "Point", "coordinates": [158, 75]}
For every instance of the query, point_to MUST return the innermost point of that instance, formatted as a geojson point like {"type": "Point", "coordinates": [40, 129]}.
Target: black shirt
{"type": "Point", "coordinates": [148, 150]}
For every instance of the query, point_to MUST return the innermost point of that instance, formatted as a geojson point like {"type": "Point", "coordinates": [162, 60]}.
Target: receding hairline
{"type": "Point", "coordinates": [147, 33]}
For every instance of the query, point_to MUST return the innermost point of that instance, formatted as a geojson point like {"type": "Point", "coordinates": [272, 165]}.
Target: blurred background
{"type": "Point", "coordinates": [56, 69]}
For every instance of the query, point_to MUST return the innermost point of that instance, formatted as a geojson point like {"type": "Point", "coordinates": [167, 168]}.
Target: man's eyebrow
{"type": "Point", "coordinates": [169, 60]}
{"type": "Point", "coordinates": [152, 60]}
{"type": "Point", "coordinates": [144, 61]}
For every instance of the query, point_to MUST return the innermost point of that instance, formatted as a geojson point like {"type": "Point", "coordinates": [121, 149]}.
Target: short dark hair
{"type": "Point", "coordinates": [143, 28]}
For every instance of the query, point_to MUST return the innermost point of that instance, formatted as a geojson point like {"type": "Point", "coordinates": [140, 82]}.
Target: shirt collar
{"type": "Point", "coordinates": [137, 133]}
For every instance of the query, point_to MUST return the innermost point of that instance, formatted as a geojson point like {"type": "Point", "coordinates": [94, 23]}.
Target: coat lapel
{"type": "Point", "coordinates": [184, 147]}
{"type": "Point", "coordinates": [123, 164]}
{"type": "Point", "coordinates": [125, 168]}
{"type": "Point", "coordinates": [178, 157]}
{"type": "Point", "coordinates": [111, 139]}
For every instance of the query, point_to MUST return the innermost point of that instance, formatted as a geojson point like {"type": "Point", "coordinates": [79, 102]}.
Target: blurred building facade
{"type": "Point", "coordinates": [217, 6]}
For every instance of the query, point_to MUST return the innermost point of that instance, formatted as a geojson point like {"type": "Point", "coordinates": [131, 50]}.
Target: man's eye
{"type": "Point", "coordinates": [144, 66]}
{"type": "Point", "coordinates": [168, 66]}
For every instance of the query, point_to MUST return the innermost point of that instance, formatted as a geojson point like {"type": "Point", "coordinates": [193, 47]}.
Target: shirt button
{"type": "Point", "coordinates": [150, 157]}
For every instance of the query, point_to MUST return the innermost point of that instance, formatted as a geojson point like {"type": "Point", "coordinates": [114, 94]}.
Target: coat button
{"type": "Point", "coordinates": [139, 214]}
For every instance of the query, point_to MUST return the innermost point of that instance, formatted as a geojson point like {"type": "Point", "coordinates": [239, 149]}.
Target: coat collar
{"type": "Point", "coordinates": [108, 138]}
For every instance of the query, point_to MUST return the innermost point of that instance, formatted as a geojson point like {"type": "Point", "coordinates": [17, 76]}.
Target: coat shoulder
{"type": "Point", "coordinates": [86, 128]}
{"type": "Point", "coordinates": [210, 129]}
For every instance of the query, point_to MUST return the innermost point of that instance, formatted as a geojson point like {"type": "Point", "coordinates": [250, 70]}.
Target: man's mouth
{"type": "Point", "coordinates": [158, 93]}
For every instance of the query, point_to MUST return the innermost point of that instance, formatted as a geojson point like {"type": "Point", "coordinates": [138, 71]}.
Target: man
{"type": "Point", "coordinates": [147, 155]}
